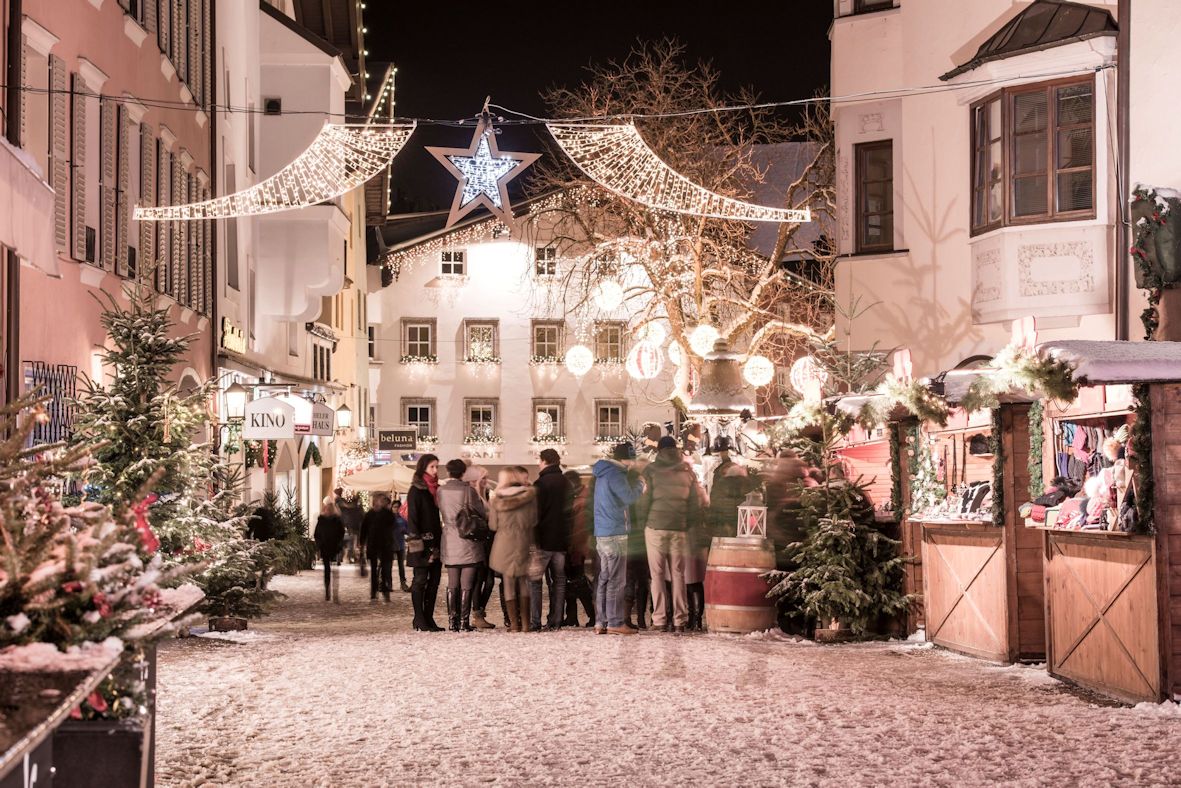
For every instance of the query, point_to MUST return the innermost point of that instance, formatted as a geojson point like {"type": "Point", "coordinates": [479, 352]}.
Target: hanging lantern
{"type": "Point", "coordinates": [675, 354]}
{"type": "Point", "coordinates": [752, 516]}
{"type": "Point", "coordinates": [703, 338]}
{"type": "Point", "coordinates": [645, 361]}
{"type": "Point", "coordinates": [579, 360]}
{"type": "Point", "coordinates": [608, 295]}
{"type": "Point", "coordinates": [808, 378]}
{"type": "Point", "coordinates": [758, 370]}
{"type": "Point", "coordinates": [652, 332]}
{"type": "Point", "coordinates": [723, 391]}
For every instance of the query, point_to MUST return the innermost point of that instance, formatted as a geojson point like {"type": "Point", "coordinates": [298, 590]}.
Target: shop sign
{"type": "Point", "coordinates": [322, 421]}
{"type": "Point", "coordinates": [268, 418]}
{"type": "Point", "coordinates": [397, 440]}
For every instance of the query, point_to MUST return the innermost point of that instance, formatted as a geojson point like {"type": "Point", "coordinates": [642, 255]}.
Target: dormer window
{"type": "Point", "coordinates": [452, 263]}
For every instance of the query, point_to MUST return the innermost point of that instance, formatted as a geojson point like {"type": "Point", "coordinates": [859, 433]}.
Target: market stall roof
{"type": "Point", "coordinates": [393, 477]}
{"type": "Point", "coordinates": [956, 383]}
{"type": "Point", "coordinates": [1098, 362]}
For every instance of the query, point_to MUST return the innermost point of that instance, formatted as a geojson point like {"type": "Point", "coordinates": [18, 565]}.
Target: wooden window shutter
{"type": "Point", "coordinates": [196, 44]}
{"type": "Point", "coordinates": [108, 112]}
{"type": "Point", "coordinates": [150, 16]}
{"type": "Point", "coordinates": [207, 260]}
{"type": "Point", "coordinates": [165, 25]}
{"type": "Point", "coordinates": [147, 192]}
{"type": "Point", "coordinates": [206, 54]}
{"type": "Point", "coordinates": [78, 167]}
{"type": "Point", "coordinates": [24, 93]}
{"type": "Point", "coordinates": [179, 46]}
{"type": "Point", "coordinates": [122, 208]}
{"type": "Point", "coordinates": [59, 149]}
{"type": "Point", "coordinates": [163, 185]}
{"type": "Point", "coordinates": [176, 229]}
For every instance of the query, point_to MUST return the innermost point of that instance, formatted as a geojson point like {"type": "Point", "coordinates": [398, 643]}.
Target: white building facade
{"type": "Point", "coordinates": [467, 346]}
{"type": "Point", "coordinates": [978, 169]}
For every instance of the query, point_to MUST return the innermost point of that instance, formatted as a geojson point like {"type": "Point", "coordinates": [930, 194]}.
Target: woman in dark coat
{"type": "Point", "coordinates": [424, 536]}
{"type": "Point", "coordinates": [329, 536]}
{"type": "Point", "coordinates": [377, 534]}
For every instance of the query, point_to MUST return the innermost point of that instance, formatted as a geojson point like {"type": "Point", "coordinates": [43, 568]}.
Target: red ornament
{"type": "Point", "coordinates": [150, 543]}
{"type": "Point", "coordinates": [72, 587]}
{"type": "Point", "coordinates": [96, 701]}
{"type": "Point", "coordinates": [101, 605]}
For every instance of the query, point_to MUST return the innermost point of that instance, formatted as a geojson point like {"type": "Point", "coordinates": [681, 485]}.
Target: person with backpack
{"type": "Point", "coordinates": [423, 537]}
{"type": "Point", "coordinates": [464, 530]}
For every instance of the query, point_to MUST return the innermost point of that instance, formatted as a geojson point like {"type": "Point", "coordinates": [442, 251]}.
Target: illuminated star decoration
{"type": "Point", "coordinates": [483, 173]}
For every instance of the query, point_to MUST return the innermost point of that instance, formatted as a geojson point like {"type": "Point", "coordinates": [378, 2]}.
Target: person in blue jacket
{"type": "Point", "coordinates": [617, 485]}
{"type": "Point", "coordinates": [400, 531]}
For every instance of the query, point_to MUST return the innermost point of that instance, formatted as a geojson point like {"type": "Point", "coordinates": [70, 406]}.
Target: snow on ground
{"type": "Point", "coordinates": [347, 695]}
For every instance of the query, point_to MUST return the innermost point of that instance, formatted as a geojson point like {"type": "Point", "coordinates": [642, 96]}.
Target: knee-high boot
{"type": "Point", "coordinates": [642, 605]}
{"type": "Point", "coordinates": [453, 609]}
{"type": "Point", "coordinates": [465, 616]}
{"type": "Point", "coordinates": [416, 602]}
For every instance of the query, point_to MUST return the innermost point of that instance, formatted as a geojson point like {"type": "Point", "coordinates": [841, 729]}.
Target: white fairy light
{"type": "Point", "coordinates": [645, 361]}
{"type": "Point", "coordinates": [608, 295]}
{"type": "Point", "coordinates": [340, 158]}
{"type": "Point", "coordinates": [702, 339]}
{"type": "Point", "coordinates": [758, 371]}
{"type": "Point", "coordinates": [653, 332]}
{"type": "Point", "coordinates": [579, 360]}
{"type": "Point", "coordinates": [616, 157]}
{"type": "Point", "coordinates": [675, 355]}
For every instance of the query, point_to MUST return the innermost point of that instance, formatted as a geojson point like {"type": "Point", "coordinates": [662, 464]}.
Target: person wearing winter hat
{"type": "Point", "coordinates": [670, 507]}
{"type": "Point", "coordinates": [616, 488]}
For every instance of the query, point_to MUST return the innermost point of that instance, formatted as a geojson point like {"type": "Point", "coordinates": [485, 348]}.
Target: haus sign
{"type": "Point", "coordinates": [397, 440]}
{"type": "Point", "coordinates": [268, 418]}
{"type": "Point", "coordinates": [320, 420]}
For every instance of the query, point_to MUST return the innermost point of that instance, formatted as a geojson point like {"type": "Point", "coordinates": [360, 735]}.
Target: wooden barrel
{"type": "Point", "coordinates": [735, 594]}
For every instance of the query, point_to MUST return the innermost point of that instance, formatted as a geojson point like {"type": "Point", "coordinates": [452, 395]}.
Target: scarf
{"type": "Point", "coordinates": [432, 484]}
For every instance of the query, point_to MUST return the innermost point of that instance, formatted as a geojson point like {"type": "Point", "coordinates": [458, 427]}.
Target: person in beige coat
{"type": "Point", "coordinates": [514, 520]}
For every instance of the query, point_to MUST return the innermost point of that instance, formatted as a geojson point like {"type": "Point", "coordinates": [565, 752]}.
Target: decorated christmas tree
{"type": "Point", "coordinates": [139, 424]}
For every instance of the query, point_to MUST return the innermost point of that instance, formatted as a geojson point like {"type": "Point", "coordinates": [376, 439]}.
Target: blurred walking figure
{"type": "Point", "coordinates": [617, 487]}
{"type": "Point", "coordinates": [553, 539]}
{"type": "Point", "coordinates": [461, 556]}
{"type": "Point", "coordinates": [514, 520]}
{"type": "Point", "coordinates": [423, 538]}
{"type": "Point", "coordinates": [578, 586]}
{"type": "Point", "coordinates": [477, 477]}
{"type": "Point", "coordinates": [350, 512]}
{"type": "Point", "coordinates": [377, 532]}
{"type": "Point", "coordinates": [400, 544]}
{"type": "Point", "coordinates": [329, 537]}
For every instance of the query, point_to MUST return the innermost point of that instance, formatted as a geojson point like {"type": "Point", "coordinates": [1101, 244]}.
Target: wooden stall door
{"type": "Point", "coordinates": [1101, 593]}
{"type": "Point", "coordinates": [964, 581]}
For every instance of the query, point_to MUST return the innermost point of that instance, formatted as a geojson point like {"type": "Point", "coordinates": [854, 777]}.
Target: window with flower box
{"type": "Point", "coordinates": [548, 341]}
{"type": "Point", "coordinates": [418, 340]}
{"type": "Point", "coordinates": [549, 421]}
{"type": "Point", "coordinates": [609, 419]}
{"type": "Point", "coordinates": [609, 342]}
{"type": "Point", "coordinates": [481, 421]}
{"type": "Point", "coordinates": [420, 414]}
{"type": "Point", "coordinates": [481, 341]}
{"type": "Point", "coordinates": [1033, 154]}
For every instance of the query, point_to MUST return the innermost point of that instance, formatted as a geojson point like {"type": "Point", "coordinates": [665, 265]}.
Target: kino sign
{"type": "Point", "coordinates": [268, 418]}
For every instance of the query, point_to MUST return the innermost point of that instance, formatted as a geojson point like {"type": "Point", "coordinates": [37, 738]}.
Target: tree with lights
{"type": "Point", "coordinates": [696, 275]}
{"type": "Point", "coordinates": [141, 425]}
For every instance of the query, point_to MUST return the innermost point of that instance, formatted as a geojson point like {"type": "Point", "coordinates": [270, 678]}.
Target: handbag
{"type": "Point", "coordinates": [472, 525]}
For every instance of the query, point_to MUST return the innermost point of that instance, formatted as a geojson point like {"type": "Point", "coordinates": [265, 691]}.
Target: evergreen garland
{"type": "Point", "coordinates": [312, 456]}
{"type": "Point", "coordinates": [1141, 441]}
{"type": "Point", "coordinates": [998, 470]}
{"type": "Point", "coordinates": [1143, 251]}
{"type": "Point", "coordinates": [896, 471]}
{"type": "Point", "coordinates": [1037, 438]}
{"type": "Point", "coordinates": [926, 491]}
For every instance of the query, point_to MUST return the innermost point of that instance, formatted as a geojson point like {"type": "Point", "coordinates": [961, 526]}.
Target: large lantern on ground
{"type": "Point", "coordinates": [579, 360]}
{"type": "Point", "coordinates": [758, 370]}
{"type": "Point", "coordinates": [702, 339]}
{"type": "Point", "coordinates": [752, 516]}
{"type": "Point", "coordinates": [645, 361]}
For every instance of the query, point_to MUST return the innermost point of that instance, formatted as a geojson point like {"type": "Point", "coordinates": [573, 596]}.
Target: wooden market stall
{"type": "Point", "coordinates": [1113, 597]}
{"type": "Point", "coordinates": [981, 570]}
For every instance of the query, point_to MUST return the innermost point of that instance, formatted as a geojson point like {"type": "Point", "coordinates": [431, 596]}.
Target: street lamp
{"type": "Point", "coordinates": [235, 402]}
{"type": "Point", "coordinates": [344, 417]}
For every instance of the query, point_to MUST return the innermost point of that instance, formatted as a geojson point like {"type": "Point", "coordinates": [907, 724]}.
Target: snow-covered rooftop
{"type": "Point", "coordinates": [1098, 362]}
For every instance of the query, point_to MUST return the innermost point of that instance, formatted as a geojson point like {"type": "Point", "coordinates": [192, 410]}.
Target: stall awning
{"type": "Point", "coordinates": [382, 478]}
{"type": "Point", "coordinates": [26, 209]}
{"type": "Point", "coordinates": [1098, 362]}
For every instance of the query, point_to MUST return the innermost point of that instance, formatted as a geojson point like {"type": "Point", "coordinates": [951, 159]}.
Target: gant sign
{"type": "Point", "coordinates": [268, 418]}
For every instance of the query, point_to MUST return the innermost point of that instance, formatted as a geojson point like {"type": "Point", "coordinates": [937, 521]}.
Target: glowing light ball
{"type": "Point", "coordinates": [758, 371]}
{"type": "Point", "coordinates": [675, 354]}
{"type": "Point", "coordinates": [645, 361]}
{"type": "Point", "coordinates": [579, 360]}
{"type": "Point", "coordinates": [652, 332]}
{"type": "Point", "coordinates": [807, 377]}
{"type": "Point", "coordinates": [703, 338]}
{"type": "Point", "coordinates": [608, 295]}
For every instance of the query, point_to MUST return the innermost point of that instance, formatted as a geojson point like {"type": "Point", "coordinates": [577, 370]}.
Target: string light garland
{"type": "Point", "coordinates": [616, 157]}
{"type": "Point", "coordinates": [340, 159]}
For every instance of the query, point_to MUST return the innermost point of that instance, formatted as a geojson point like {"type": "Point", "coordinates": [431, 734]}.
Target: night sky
{"type": "Point", "coordinates": [451, 55]}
